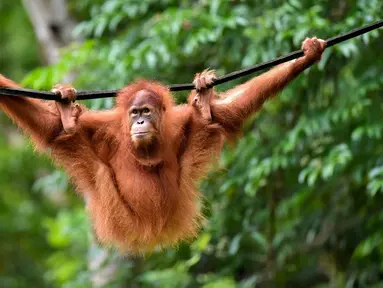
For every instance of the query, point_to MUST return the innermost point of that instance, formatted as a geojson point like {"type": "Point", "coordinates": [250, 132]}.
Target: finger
{"type": "Point", "coordinates": [72, 94]}
{"type": "Point", "coordinates": [195, 79]}
{"type": "Point", "coordinates": [203, 82]}
{"type": "Point", "coordinates": [77, 110]}
{"type": "Point", "coordinates": [304, 43]}
{"type": "Point", "coordinates": [61, 93]}
{"type": "Point", "coordinates": [195, 82]}
{"type": "Point", "coordinates": [323, 43]}
{"type": "Point", "coordinates": [212, 74]}
{"type": "Point", "coordinates": [56, 89]}
{"type": "Point", "coordinates": [211, 77]}
{"type": "Point", "coordinates": [198, 86]}
{"type": "Point", "coordinates": [67, 94]}
{"type": "Point", "coordinates": [57, 86]}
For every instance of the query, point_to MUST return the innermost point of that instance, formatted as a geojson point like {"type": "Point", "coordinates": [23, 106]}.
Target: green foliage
{"type": "Point", "coordinates": [18, 52]}
{"type": "Point", "coordinates": [296, 201]}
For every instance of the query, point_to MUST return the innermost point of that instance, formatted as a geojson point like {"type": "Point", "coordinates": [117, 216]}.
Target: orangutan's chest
{"type": "Point", "coordinates": [136, 181]}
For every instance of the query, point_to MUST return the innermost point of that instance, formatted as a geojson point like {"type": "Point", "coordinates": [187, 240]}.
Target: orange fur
{"type": "Point", "coordinates": [139, 203]}
{"type": "Point", "coordinates": [134, 205]}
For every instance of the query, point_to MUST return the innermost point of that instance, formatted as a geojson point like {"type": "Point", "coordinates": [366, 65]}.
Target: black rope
{"type": "Point", "coordinates": [84, 95]}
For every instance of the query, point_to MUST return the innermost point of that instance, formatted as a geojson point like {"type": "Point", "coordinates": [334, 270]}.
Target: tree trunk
{"type": "Point", "coordinates": [52, 26]}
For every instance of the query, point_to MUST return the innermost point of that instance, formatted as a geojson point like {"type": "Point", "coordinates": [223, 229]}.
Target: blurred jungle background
{"type": "Point", "coordinates": [297, 202]}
